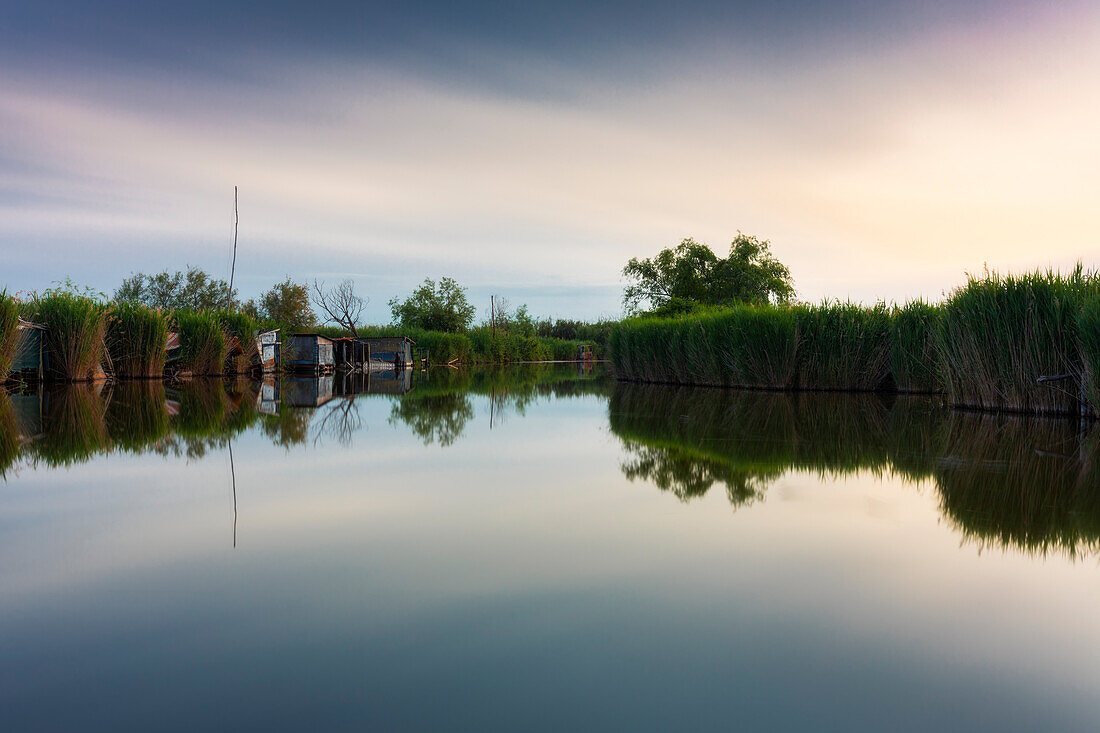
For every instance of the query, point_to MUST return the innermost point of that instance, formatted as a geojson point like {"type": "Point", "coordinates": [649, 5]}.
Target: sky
{"type": "Point", "coordinates": [528, 150]}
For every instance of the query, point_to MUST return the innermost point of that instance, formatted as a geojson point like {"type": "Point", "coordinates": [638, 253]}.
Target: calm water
{"type": "Point", "coordinates": [540, 549]}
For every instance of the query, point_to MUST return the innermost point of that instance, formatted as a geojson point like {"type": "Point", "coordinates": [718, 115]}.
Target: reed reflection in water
{"type": "Point", "coordinates": [1026, 483]}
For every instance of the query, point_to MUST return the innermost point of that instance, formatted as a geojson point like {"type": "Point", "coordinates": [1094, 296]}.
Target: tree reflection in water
{"type": "Point", "coordinates": [1012, 482]}
{"type": "Point", "coordinates": [1031, 484]}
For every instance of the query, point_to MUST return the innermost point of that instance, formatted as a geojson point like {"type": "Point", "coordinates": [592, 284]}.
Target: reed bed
{"type": "Point", "coordinates": [9, 332]}
{"type": "Point", "coordinates": [1088, 334]}
{"type": "Point", "coordinates": [202, 343]}
{"type": "Point", "coordinates": [75, 339]}
{"type": "Point", "coordinates": [999, 334]}
{"type": "Point", "coordinates": [843, 346]}
{"type": "Point", "coordinates": [914, 361]}
{"type": "Point", "coordinates": [137, 338]}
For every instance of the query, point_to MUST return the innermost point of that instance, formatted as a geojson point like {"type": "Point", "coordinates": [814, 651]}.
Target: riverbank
{"type": "Point", "coordinates": [1026, 344]}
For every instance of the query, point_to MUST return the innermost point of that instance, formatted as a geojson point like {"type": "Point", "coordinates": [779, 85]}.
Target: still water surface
{"type": "Point", "coordinates": [540, 549]}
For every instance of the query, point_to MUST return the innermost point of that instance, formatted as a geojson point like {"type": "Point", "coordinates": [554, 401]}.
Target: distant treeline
{"type": "Point", "coordinates": [985, 347]}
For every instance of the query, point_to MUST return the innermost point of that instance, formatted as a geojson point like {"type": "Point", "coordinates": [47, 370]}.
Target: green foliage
{"type": "Point", "coordinates": [914, 361]}
{"type": "Point", "coordinates": [286, 306]}
{"type": "Point", "coordinates": [136, 340]}
{"type": "Point", "coordinates": [74, 426]}
{"type": "Point", "coordinates": [9, 332]}
{"type": "Point", "coordinates": [693, 273]}
{"type": "Point", "coordinates": [202, 343]}
{"type": "Point", "coordinates": [432, 307]}
{"type": "Point", "coordinates": [193, 290]}
{"type": "Point", "coordinates": [999, 334]}
{"type": "Point", "coordinates": [843, 346]}
{"type": "Point", "coordinates": [77, 325]}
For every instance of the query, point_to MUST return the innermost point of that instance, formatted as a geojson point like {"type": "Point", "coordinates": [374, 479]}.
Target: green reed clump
{"type": "Point", "coordinates": [843, 346]}
{"type": "Point", "coordinates": [914, 359]}
{"type": "Point", "coordinates": [1088, 334]}
{"type": "Point", "coordinates": [9, 332]}
{"type": "Point", "coordinates": [999, 334]}
{"type": "Point", "coordinates": [137, 338]}
{"type": "Point", "coordinates": [77, 326]}
{"type": "Point", "coordinates": [744, 346]}
{"type": "Point", "coordinates": [202, 343]}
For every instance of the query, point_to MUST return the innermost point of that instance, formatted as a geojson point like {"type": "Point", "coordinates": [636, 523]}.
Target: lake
{"type": "Point", "coordinates": [540, 548]}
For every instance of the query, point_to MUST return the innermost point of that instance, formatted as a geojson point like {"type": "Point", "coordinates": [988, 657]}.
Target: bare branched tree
{"type": "Point", "coordinates": [339, 304]}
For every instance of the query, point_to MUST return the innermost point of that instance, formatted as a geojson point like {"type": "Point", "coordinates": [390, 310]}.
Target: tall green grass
{"type": "Point", "coordinates": [843, 346]}
{"type": "Point", "coordinates": [1088, 334]}
{"type": "Point", "coordinates": [136, 340]}
{"type": "Point", "coordinates": [135, 416]}
{"type": "Point", "coordinates": [1001, 333]}
{"type": "Point", "coordinates": [9, 332]}
{"type": "Point", "coordinates": [914, 361]}
{"type": "Point", "coordinates": [77, 326]}
{"type": "Point", "coordinates": [74, 426]}
{"type": "Point", "coordinates": [202, 343]}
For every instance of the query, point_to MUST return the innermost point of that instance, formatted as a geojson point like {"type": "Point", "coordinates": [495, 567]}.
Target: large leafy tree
{"type": "Point", "coordinates": [692, 273]}
{"type": "Point", "coordinates": [287, 304]}
{"type": "Point", "coordinates": [194, 290]}
{"type": "Point", "coordinates": [433, 307]}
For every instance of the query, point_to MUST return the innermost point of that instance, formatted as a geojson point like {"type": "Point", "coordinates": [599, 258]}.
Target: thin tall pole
{"type": "Point", "coordinates": [233, 475]}
{"type": "Point", "coordinates": [233, 268]}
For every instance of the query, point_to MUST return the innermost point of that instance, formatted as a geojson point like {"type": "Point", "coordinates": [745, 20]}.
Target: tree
{"type": "Point", "coordinates": [194, 290]}
{"type": "Point", "coordinates": [340, 303]}
{"type": "Point", "coordinates": [442, 308]}
{"type": "Point", "coordinates": [287, 304]}
{"type": "Point", "coordinates": [692, 274]}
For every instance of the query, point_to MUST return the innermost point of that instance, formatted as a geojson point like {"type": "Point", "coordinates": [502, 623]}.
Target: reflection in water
{"type": "Point", "coordinates": [1031, 484]}
{"type": "Point", "coordinates": [1024, 482]}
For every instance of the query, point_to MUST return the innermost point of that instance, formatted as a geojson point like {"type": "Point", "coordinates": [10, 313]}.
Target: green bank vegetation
{"type": "Point", "coordinates": [985, 347]}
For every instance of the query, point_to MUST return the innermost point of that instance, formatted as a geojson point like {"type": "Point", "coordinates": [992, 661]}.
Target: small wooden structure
{"type": "Point", "coordinates": [32, 358]}
{"type": "Point", "coordinates": [309, 352]}
{"type": "Point", "coordinates": [350, 352]}
{"type": "Point", "coordinates": [267, 351]}
{"type": "Point", "coordinates": [584, 353]}
{"type": "Point", "coordinates": [394, 351]}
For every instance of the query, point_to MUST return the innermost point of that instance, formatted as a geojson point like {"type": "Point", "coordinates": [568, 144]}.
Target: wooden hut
{"type": "Point", "coordinates": [32, 359]}
{"type": "Point", "coordinates": [396, 352]}
{"type": "Point", "coordinates": [308, 352]}
{"type": "Point", "coordinates": [350, 352]}
{"type": "Point", "coordinates": [267, 351]}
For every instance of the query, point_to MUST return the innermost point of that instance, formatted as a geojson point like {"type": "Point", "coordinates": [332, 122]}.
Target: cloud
{"type": "Point", "coordinates": [877, 172]}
